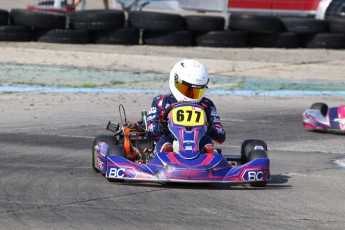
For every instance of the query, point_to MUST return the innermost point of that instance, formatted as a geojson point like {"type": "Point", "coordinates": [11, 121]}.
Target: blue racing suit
{"type": "Point", "coordinates": [160, 103]}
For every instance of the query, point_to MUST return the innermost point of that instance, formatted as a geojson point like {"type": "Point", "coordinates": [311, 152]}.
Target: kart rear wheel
{"type": "Point", "coordinates": [248, 146]}
{"type": "Point", "coordinates": [256, 154]}
{"type": "Point", "coordinates": [322, 107]}
{"type": "Point", "coordinates": [110, 140]}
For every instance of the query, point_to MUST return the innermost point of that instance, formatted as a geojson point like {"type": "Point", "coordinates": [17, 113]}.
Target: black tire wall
{"type": "Point", "coordinates": [37, 19]}
{"type": "Point", "coordinates": [155, 21]}
{"type": "Point", "coordinates": [15, 33]}
{"type": "Point", "coordinates": [97, 19]}
{"type": "Point", "coordinates": [4, 17]}
{"type": "Point", "coordinates": [204, 23]}
{"type": "Point", "coordinates": [154, 28]}
{"type": "Point", "coordinates": [65, 36]}
{"type": "Point", "coordinates": [255, 23]}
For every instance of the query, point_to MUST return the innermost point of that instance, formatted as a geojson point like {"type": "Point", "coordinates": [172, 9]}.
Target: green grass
{"type": "Point", "coordinates": [87, 85]}
{"type": "Point", "coordinates": [116, 82]}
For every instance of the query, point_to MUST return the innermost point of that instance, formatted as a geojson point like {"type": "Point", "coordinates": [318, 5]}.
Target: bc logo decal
{"type": "Point", "coordinates": [253, 175]}
{"type": "Point", "coordinates": [115, 172]}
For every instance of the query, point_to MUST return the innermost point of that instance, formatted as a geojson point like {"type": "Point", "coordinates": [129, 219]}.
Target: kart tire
{"type": "Point", "coordinates": [248, 146]}
{"type": "Point", "coordinates": [322, 107]}
{"type": "Point", "coordinates": [156, 21]}
{"type": "Point", "coordinates": [110, 140]}
{"type": "Point", "coordinates": [324, 41]}
{"type": "Point", "coordinates": [4, 17]}
{"type": "Point", "coordinates": [163, 38]}
{"type": "Point", "coordinates": [305, 25]}
{"type": "Point", "coordinates": [273, 40]}
{"type": "Point", "coordinates": [116, 150]}
{"type": "Point", "coordinates": [37, 19]}
{"type": "Point", "coordinates": [256, 154]}
{"type": "Point", "coordinates": [15, 33]}
{"type": "Point", "coordinates": [121, 36]}
{"type": "Point", "coordinates": [65, 36]}
{"type": "Point", "coordinates": [255, 23]}
{"type": "Point", "coordinates": [223, 38]}
{"type": "Point", "coordinates": [336, 25]}
{"type": "Point", "coordinates": [204, 23]}
{"type": "Point", "coordinates": [97, 19]}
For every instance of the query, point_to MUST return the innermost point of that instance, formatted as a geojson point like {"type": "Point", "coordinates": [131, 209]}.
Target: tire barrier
{"type": "Point", "coordinates": [170, 38]}
{"type": "Point", "coordinates": [65, 36]}
{"type": "Point", "coordinates": [166, 29]}
{"type": "Point", "coordinates": [323, 41]}
{"type": "Point", "coordinates": [222, 38]}
{"type": "Point", "coordinates": [204, 23]}
{"type": "Point", "coordinates": [97, 19]}
{"type": "Point", "coordinates": [14, 33]}
{"type": "Point", "coordinates": [305, 25]}
{"type": "Point", "coordinates": [4, 17]}
{"type": "Point", "coordinates": [336, 25]}
{"type": "Point", "coordinates": [255, 23]}
{"type": "Point", "coordinates": [274, 40]}
{"type": "Point", "coordinates": [37, 19]}
{"type": "Point", "coordinates": [156, 21]}
{"type": "Point", "coordinates": [121, 36]}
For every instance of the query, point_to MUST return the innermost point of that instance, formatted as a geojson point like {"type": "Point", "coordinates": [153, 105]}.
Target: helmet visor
{"type": "Point", "coordinates": [190, 90]}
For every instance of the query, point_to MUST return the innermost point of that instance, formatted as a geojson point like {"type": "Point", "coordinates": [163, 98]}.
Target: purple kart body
{"type": "Point", "coordinates": [321, 117]}
{"type": "Point", "coordinates": [187, 165]}
{"type": "Point", "coordinates": [171, 167]}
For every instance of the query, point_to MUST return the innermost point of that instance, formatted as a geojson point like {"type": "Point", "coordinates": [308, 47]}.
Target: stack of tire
{"type": "Point", "coordinates": [209, 31]}
{"type": "Point", "coordinates": [80, 27]}
{"type": "Point", "coordinates": [166, 29]}
{"type": "Point", "coordinates": [244, 30]}
{"type": "Point", "coordinates": [289, 32]}
{"type": "Point", "coordinates": [12, 32]}
{"type": "Point", "coordinates": [104, 27]}
{"type": "Point", "coordinates": [175, 30]}
{"type": "Point", "coordinates": [160, 28]}
{"type": "Point", "coordinates": [263, 31]}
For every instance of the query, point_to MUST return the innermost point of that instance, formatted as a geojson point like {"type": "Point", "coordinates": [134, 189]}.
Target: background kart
{"type": "Point", "coordinates": [127, 155]}
{"type": "Point", "coordinates": [320, 117]}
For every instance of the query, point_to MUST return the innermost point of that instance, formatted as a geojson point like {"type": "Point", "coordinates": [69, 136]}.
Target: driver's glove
{"type": "Point", "coordinates": [163, 127]}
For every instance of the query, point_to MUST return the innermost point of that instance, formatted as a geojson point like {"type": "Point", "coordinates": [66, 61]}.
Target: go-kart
{"type": "Point", "coordinates": [321, 118]}
{"type": "Point", "coordinates": [128, 153]}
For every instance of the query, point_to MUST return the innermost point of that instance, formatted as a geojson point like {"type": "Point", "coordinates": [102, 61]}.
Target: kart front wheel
{"type": "Point", "coordinates": [322, 107]}
{"type": "Point", "coordinates": [248, 146]}
{"type": "Point", "coordinates": [110, 140]}
{"type": "Point", "coordinates": [256, 154]}
{"type": "Point", "coordinates": [254, 149]}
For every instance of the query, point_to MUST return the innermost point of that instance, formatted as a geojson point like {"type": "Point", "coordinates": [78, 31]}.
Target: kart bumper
{"type": "Point", "coordinates": [254, 171]}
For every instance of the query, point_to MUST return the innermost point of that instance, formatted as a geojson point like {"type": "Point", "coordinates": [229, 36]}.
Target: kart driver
{"type": "Point", "coordinates": [187, 82]}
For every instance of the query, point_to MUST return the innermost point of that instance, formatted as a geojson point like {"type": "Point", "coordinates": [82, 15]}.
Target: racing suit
{"type": "Point", "coordinates": [160, 103]}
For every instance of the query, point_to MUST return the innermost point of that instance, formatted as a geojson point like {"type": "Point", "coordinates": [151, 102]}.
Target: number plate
{"type": "Point", "coordinates": [188, 116]}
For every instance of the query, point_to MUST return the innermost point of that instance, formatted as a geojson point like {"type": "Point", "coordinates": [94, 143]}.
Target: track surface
{"type": "Point", "coordinates": [46, 179]}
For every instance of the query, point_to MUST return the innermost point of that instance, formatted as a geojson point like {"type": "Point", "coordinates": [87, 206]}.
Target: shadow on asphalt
{"type": "Point", "coordinates": [329, 132]}
{"type": "Point", "coordinates": [276, 182]}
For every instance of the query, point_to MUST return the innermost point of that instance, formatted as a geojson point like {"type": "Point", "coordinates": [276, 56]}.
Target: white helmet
{"type": "Point", "coordinates": [188, 81]}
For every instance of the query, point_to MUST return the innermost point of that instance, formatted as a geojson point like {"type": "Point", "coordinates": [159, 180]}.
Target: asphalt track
{"type": "Point", "coordinates": [46, 179]}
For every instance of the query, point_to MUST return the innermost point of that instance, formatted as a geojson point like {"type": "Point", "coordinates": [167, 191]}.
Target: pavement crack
{"type": "Point", "coordinates": [77, 202]}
